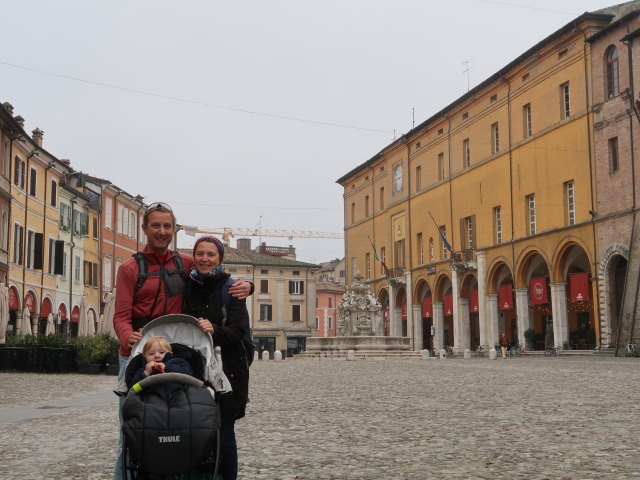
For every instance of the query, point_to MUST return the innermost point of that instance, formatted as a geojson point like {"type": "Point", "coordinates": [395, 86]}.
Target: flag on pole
{"type": "Point", "coordinates": [444, 239]}
{"type": "Point", "coordinates": [375, 255]}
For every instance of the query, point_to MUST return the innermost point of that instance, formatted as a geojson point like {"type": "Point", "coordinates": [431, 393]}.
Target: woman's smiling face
{"type": "Point", "coordinates": [206, 257]}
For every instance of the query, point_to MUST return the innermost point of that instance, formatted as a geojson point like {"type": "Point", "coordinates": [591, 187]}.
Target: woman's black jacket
{"type": "Point", "coordinates": [205, 300]}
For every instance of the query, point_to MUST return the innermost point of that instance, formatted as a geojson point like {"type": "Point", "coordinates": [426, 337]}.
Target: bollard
{"type": "Point", "coordinates": [493, 354]}
{"type": "Point", "coordinates": [265, 355]}
{"type": "Point", "coordinates": [467, 353]}
{"type": "Point", "coordinates": [256, 356]}
{"type": "Point", "coordinates": [443, 354]}
{"type": "Point", "coordinates": [277, 355]}
{"type": "Point", "coordinates": [351, 355]}
{"type": "Point", "coordinates": [424, 354]}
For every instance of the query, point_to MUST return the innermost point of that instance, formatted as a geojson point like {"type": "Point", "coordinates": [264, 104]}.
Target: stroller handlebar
{"type": "Point", "coordinates": [164, 378]}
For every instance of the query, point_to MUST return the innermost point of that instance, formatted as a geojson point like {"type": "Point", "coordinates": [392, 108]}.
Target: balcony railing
{"type": "Point", "coordinates": [464, 259]}
{"type": "Point", "coordinates": [396, 275]}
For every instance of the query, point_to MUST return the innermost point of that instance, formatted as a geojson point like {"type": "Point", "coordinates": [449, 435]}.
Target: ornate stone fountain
{"type": "Point", "coordinates": [360, 326]}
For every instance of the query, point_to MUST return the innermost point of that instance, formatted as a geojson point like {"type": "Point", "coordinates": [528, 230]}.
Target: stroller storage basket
{"type": "Point", "coordinates": [170, 423]}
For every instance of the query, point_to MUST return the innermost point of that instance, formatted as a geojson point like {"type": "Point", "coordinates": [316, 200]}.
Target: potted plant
{"type": "Point", "coordinates": [93, 354]}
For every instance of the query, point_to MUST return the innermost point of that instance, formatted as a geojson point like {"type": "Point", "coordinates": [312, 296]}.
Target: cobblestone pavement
{"type": "Point", "coordinates": [523, 418]}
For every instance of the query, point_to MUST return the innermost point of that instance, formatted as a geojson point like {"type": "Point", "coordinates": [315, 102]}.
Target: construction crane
{"type": "Point", "coordinates": [228, 233]}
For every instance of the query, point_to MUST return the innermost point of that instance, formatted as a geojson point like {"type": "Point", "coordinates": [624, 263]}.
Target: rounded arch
{"type": "Point", "coordinates": [422, 290]}
{"type": "Point", "coordinates": [612, 272]}
{"type": "Point", "coordinates": [611, 72]}
{"type": "Point", "coordinates": [530, 260]}
{"type": "Point", "coordinates": [383, 297]}
{"type": "Point", "coordinates": [568, 252]}
{"type": "Point", "coordinates": [468, 282]}
{"type": "Point", "coordinates": [31, 301]}
{"type": "Point", "coordinates": [46, 307]}
{"type": "Point", "coordinates": [442, 286]}
{"type": "Point", "coordinates": [497, 272]}
{"type": "Point", "coordinates": [15, 302]}
{"type": "Point", "coordinates": [91, 315]}
{"type": "Point", "coordinates": [401, 295]}
{"type": "Point", "coordinates": [62, 311]}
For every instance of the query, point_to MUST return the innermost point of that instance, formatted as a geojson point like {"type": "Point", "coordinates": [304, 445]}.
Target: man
{"type": "Point", "coordinates": [160, 292]}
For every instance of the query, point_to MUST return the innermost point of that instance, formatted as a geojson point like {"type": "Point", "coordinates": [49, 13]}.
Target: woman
{"type": "Point", "coordinates": [227, 324]}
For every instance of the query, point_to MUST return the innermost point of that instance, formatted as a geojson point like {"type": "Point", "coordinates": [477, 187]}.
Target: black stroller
{"type": "Point", "coordinates": [171, 421]}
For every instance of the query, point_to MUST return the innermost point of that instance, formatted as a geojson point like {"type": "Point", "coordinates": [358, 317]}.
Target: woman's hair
{"type": "Point", "coordinates": [213, 240]}
{"type": "Point", "coordinates": [164, 343]}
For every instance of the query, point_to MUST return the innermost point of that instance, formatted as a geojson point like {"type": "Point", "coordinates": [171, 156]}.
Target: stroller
{"type": "Point", "coordinates": [171, 421]}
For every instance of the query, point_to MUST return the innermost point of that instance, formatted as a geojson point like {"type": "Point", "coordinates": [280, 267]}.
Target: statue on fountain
{"type": "Point", "coordinates": [360, 312]}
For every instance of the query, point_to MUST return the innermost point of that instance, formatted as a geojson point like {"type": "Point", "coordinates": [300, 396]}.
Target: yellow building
{"type": "Point", "coordinates": [506, 173]}
{"type": "Point", "coordinates": [88, 202]}
{"type": "Point", "coordinates": [35, 180]}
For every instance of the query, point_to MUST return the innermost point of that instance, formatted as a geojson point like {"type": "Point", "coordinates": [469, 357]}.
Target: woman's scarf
{"type": "Point", "coordinates": [201, 277]}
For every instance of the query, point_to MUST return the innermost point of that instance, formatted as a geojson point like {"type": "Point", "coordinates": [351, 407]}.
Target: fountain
{"type": "Point", "coordinates": [360, 327]}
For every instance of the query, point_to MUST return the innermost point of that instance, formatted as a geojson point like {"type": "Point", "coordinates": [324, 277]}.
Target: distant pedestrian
{"type": "Point", "coordinates": [504, 343]}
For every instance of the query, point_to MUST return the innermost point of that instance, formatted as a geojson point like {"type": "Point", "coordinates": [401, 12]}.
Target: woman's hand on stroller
{"type": "Point", "coordinates": [151, 366]}
{"type": "Point", "coordinates": [205, 325]}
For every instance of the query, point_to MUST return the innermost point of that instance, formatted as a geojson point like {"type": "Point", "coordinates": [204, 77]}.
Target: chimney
{"type": "Point", "coordinates": [244, 244]}
{"type": "Point", "coordinates": [66, 161]}
{"type": "Point", "coordinates": [37, 136]}
{"type": "Point", "coordinates": [19, 120]}
{"type": "Point", "coordinates": [8, 107]}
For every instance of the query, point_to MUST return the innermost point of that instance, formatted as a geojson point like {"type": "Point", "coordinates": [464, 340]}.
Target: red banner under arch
{"type": "Point", "coordinates": [75, 314]}
{"type": "Point", "coordinates": [45, 308]}
{"type": "Point", "coordinates": [13, 299]}
{"type": "Point", "coordinates": [538, 291]}
{"type": "Point", "coordinates": [448, 305]}
{"type": "Point", "coordinates": [505, 297]}
{"type": "Point", "coordinates": [30, 302]}
{"type": "Point", "coordinates": [473, 301]}
{"type": "Point", "coordinates": [579, 287]}
{"type": "Point", "coordinates": [427, 308]}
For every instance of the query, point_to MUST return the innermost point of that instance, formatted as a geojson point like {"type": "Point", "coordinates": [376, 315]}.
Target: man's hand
{"type": "Point", "coordinates": [240, 289]}
{"type": "Point", "coordinates": [134, 337]}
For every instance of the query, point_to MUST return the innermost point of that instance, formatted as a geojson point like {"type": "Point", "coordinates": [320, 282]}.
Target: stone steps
{"type": "Point", "coordinates": [359, 354]}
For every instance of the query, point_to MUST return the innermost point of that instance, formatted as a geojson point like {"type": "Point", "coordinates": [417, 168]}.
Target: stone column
{"type": "Point", "coordinates": [18, 322]}
{"type": "Point", "coordinates": [310, 301]}
{"type": "Point", "coordinates": [409, 291]}
{"type": "Point", "coordinates": [559, 308]}
{"type": "Point", "coordinates": [417, 318]}
{"type": "Point", "coordinates": [483, 314]}
{"type": "Point", "coordinates": [493, 320]}
{"type": "Point", "coordinates": [278, 307]}
{"type": "Point", "coordinates": [465, 332]}
{"type": "Point", "coordinates": [326, 322]}
{"type": "Point", "coordinates": [438, 325]}
{"type": "Point", "coordinates": [457, 332]}
{"type": "Point", "coordinates": [522, 310]}
{"type": "Point", "coordinates": [393, 328]}
{"type": "Point", "coordinates": [33, 318]}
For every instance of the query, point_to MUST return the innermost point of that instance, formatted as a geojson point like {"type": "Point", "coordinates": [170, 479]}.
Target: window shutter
{"type": "Point", "coordinates": [301, 288]}
{"type": "Point", "coordinates": [38, 249]}
{"type": "Point", "coordinates": [290, 287]}
{"type": "Point", "coordinates": [58, 266]}
{"type": "Point", "coordinates": [473, 231]}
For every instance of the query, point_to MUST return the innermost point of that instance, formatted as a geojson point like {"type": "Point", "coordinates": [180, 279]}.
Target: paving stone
{"type": "Point", "coordinates": [525, 418]}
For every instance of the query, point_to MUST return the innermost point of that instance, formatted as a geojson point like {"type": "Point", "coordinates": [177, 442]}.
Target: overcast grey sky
{"type": "Point", "coordinates": [243, 112]}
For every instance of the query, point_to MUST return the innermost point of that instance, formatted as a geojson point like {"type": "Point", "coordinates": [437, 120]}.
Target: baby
{"type": "Point", "coordinates": [159, 356]}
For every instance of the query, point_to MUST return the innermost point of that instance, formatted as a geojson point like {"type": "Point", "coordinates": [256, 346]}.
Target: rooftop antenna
{"type": "Point", "coordinates": [413, 117]}
{"type": "Point", "coordinates": [467, 67]}
{"type": "Point", "coordinates": [260, 231]}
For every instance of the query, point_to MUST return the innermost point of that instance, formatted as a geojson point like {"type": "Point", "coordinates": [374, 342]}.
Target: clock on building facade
{"type": "Point", "coordinates": [397, 177]}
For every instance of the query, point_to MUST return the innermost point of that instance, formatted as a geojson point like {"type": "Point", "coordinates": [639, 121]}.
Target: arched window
{"type": "Point", "coordinates": [612, 71]}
